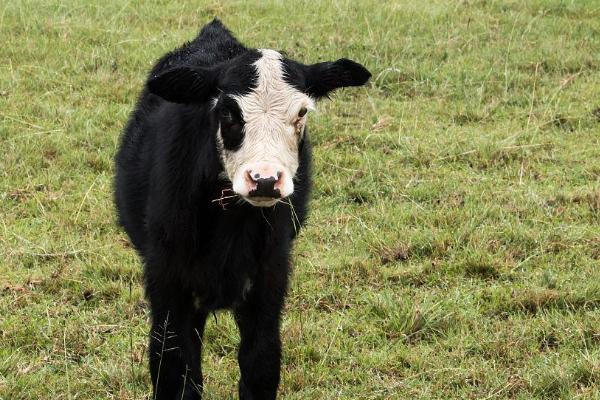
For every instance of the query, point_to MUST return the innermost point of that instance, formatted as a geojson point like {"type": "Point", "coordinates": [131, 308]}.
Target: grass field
{"type": "Point", "coordinates": [453, 249]}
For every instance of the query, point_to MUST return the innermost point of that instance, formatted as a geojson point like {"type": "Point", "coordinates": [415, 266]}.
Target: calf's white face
{"type": "Point", "coordinates": [274, 116]}
{"type": "Point", "coordinates": [259, 101]}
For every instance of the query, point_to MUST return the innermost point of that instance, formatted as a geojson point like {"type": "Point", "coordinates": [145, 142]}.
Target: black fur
{"type": "Point", "coordinates": [318, 80]}
{"type": "Point", "coordinates": [232, 123]}
{"type": "Point", "coordinates": [198, 257]}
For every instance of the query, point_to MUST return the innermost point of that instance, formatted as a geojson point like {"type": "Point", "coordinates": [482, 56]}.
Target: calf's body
{"type": "Point", "coordinates": [215, 123]}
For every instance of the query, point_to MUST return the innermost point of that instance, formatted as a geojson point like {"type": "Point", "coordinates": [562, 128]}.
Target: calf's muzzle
{"type": "Point", "coordinates": [265, 182]}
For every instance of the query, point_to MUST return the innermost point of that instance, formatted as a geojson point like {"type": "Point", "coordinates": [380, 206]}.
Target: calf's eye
{"type": "Point", "coordinates": [226, 115]}
{"type": "Point", "coordinates": [302, 112]}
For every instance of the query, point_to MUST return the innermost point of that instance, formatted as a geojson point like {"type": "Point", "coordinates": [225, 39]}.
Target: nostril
{"type": "Point", "coordinates": [253, 176]}
{"type": "Point", "coordinates": [279, 180]}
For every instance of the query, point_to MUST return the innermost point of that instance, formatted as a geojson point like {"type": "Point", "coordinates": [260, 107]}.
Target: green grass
{"type": "Point", "coordinates": [453, 249]}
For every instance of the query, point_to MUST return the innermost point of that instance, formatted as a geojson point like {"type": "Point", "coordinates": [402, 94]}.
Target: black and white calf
{"type": "Point", "coordinates": [212, 182]}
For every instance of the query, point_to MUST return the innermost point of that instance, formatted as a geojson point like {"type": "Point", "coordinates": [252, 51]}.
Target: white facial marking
{"type": "Point", "coordinates": [271, 132]}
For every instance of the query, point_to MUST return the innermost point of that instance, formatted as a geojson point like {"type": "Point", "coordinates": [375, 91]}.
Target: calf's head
{"type": "Point", "coordinates": [260, 102]}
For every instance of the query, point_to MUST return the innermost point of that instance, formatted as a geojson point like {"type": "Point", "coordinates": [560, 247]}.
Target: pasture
{"type": "Point", "coordinates": [453, 245]}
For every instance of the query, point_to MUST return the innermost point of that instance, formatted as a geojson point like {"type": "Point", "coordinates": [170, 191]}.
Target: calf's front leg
{"type": "Point", "coordinates": [259, 355]}
{"type": "Point", "coordinates": [175, 349]}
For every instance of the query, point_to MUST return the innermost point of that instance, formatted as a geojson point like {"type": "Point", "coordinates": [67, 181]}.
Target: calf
{"type": "Point", "coordinates": [212, 184]}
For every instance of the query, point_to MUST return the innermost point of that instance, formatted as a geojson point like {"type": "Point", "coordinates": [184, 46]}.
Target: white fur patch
{"type": "Point", "coordinates": [272, 127]}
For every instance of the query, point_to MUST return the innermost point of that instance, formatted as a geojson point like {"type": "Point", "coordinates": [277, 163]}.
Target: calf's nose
{"type": "Point", "coordinates": [266, 183]}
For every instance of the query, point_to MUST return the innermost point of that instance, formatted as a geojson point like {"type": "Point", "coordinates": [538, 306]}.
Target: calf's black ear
{"type": "Point", "coordinates": [184, 84]}
{"type": "Point", "coordinates": [322, 78]}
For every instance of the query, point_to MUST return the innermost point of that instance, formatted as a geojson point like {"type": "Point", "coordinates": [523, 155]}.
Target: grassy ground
{"type": "Point", "coordinates": [454, 243]}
